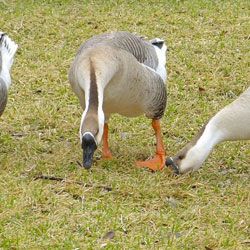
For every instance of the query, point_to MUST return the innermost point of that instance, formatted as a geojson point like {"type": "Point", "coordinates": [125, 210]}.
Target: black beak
{"type": "Point", "coordinates": [89, 146]}
{"type": "Point", "coordinates": [170, 163]}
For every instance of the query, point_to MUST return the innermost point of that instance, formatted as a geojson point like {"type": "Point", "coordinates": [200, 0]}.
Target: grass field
{"type": "Point", "coordinates": [116, 205]}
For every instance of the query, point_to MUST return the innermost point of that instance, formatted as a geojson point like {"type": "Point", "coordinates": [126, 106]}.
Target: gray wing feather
{"type": "Point", "coordinates": [142, 50]}
{"type": "Point", "coordinates": [157, 105]}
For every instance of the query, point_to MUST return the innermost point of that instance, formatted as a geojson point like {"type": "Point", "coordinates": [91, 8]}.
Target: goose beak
{"type": "Point", "coordinates": [89, 146]}
{"type": "Point", "coordinates": [170, 163]}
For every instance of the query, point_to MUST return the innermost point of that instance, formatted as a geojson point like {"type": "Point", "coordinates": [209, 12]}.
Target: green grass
{"type": "Point", "coordinates": [208, 209]}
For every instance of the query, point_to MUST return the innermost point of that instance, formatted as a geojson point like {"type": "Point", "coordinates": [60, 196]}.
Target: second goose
{"type": "Point", "coordinates": [120, 73]}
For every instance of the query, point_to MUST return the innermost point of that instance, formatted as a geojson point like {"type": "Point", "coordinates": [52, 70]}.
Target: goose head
{"type": "Point", "coordinates": [89, 145]}
{"type": "Point", "coordinates": [192, 156]}
{"type": "Point", "coordinates": [91, 132]}
{"type": "Point", "coordinates": [187, 159]}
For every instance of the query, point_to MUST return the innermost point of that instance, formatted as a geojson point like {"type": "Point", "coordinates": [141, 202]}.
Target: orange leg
{"type": "Point", "coordinates": [106, 154]}
{"type": "Point", "coordinates": [158, 162]}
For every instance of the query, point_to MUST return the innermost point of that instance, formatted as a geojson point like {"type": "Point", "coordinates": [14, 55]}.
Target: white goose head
{"type": "Point", "coordinates": [194, 153]}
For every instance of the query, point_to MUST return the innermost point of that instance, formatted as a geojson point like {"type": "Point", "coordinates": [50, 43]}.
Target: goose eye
{"type": "Point", "coordinates": [181, 157]}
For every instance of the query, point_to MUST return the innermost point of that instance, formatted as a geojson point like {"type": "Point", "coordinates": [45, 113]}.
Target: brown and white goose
{"type": "Point", "coordinates": [229, 124]}
{"type": "Point", "coordinates": [7, 52]}
{"type": "Point", "coordinates": [120, 73]}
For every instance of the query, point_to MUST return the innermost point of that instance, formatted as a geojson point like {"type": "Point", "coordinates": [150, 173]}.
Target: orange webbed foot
{"type": "Point", "coordinates": [155, 164]}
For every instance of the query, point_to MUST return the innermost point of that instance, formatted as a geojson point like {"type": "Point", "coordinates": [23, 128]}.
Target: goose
{"type": "Point", "coordinates": [229, 124]}
{"type": "Point", "coordinates": [119, 72]}
{"type": "Point", "coordinates": [7, 52]}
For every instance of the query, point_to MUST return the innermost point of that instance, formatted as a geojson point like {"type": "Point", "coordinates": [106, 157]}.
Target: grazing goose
{"type": "Point", "coordinates": [229, 124]}
{"type": "Point", "coordinates": [7, 51]}
{"type": "Point", "coordinates": [120, 73]}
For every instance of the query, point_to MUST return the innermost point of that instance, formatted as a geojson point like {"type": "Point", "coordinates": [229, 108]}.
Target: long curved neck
{"type": "Point", "coordinates": [3, 96]}
{"type": "Point", "coordinates": [206, 142]}
{"type": "Point", "coordinates": [230, 123]}
{"type": "Point", "coordinates": [90, 119]}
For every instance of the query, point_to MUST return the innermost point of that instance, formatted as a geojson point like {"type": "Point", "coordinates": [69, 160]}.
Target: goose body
{"type": "Point", "coordinates": [117, 73]}
{"type": "Point", "coordinates": [7, 52]}
{"type": "Point", "coordinates": [229, 124]}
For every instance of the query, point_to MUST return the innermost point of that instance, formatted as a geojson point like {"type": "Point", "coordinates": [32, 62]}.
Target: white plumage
{"type": "Point", "coordinates": [229, 124]}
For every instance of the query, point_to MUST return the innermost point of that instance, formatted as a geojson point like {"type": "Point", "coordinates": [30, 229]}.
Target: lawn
{"type": "Point", "coordinates": [116, 205]}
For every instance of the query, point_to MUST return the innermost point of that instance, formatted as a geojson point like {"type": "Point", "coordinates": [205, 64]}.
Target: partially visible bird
{"type": "Point", "coordinates": [8, 49]}
{"type": "Point", "coordinates": [122, 73]}
{"type": "Point", "coordinates": [229, 124]}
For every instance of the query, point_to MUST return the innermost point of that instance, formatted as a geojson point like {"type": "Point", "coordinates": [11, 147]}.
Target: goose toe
{"type": "Point", "coordinates": [155, 164]}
